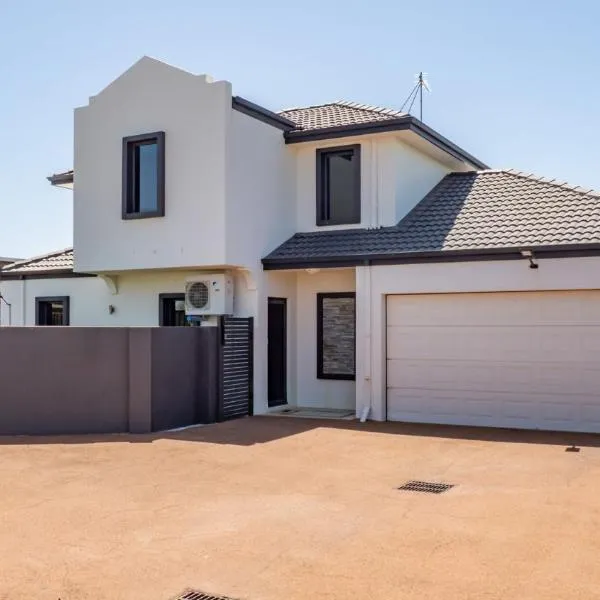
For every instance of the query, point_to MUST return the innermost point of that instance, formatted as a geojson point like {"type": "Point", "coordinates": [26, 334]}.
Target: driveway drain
{"type": "Point", "coordinates": [426, 486]}
{"type": "Point", "coordinates": [196, 595]}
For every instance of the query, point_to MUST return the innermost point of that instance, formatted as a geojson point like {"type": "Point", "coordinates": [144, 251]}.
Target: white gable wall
{"type": "Point", "coordinates": [194, 114]}
{"type": "Point", "coordinates": [395, 176]}
{"type": "Point", "coordinates": [416, 174]}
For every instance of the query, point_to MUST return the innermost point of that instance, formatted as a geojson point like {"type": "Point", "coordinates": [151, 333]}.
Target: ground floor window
{"type": "Point", "coordinates": [171, 310]}
{"type": "Point", "coordinates": [336, 335]}
{"type": "Point", "coordinates": [52, 311]}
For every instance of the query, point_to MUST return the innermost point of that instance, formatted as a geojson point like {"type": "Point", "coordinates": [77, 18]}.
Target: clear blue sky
{"type": "Point", "coordinates": [515, 83]}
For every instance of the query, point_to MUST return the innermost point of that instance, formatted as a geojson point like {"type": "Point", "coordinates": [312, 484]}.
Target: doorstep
{"type": "Point", "coordinates": [312, 413]}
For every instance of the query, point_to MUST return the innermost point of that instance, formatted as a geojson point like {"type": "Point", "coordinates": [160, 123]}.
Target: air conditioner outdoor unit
{"type": "Point", "coordinates": [209, 294]}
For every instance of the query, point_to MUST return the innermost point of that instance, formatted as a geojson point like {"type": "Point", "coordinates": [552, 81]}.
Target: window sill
{"type": "Point", "coordinates": [336, 223]}
{"type": "Point", "coordinates": [340, 377]}
{"type": "Point", "coordinates": [144, 215]}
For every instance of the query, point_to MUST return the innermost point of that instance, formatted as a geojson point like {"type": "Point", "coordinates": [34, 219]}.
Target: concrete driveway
{"type": "Point", "coordinates": [284, 509]}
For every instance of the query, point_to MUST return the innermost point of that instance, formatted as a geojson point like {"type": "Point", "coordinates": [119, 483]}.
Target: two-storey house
{"type": "Point", "coordinates": [389, 273]}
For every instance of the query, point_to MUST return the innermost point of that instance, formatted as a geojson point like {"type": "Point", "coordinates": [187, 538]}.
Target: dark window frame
{"type": "Point", "coordinates": [322, 197]}
{"type": "Point", "coordinates": [161, 305]}
{"type": "Point", "coordinates": [128, 175]}
{"type": "Point", "coordinates": [66, 302]}
{"type": "Point", "coordinates": [320, 297]}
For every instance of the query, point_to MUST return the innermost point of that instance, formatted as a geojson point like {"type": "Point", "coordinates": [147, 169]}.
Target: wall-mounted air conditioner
{"type": "Point", "coordinates": [209, 294]}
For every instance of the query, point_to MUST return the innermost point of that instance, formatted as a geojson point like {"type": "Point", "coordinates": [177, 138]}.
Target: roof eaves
{"type": "Point", "coordinates": [445, 144]}
{"type": "Point", "coordinates": [433, 256]}
{"type": "Point", "coordinates": [299, 135]}
{"type": "Point", "coordinates": [262, 114]}
{"type": "Point", "coordinates": [395, 124]}
{"type": "Point", "coordinates": [42, 274]}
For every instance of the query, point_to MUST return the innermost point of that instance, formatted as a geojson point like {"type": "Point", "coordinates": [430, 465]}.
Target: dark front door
{"type": "Point", "coordinates": [277, 346]}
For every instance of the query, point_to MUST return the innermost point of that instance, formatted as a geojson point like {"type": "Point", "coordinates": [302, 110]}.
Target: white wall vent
{"type": "Point", "coordinates": [209, 294]}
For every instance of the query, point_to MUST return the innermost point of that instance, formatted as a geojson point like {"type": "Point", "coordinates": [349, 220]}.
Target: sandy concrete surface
{"type": "Point", "coordinates": [281, 509]}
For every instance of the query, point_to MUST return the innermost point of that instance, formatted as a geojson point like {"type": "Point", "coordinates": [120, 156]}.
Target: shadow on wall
{"type": "Point", "coordinates": [262, 430]}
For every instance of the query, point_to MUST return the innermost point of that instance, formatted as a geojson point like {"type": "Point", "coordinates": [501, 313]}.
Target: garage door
{"type": "Point", "coordinates": [527, 360]}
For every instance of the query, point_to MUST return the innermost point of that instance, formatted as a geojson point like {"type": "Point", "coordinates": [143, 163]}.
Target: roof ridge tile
{"type": "Point", "coordinates": [371, 107]}
{"type": "Point", "coordinates": [561, 184]}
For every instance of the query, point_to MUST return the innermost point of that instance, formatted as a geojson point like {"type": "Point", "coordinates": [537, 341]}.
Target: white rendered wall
{"type": "Point", "coordinates": [194, 114]}
{"type": "Point", "coordinates": [260, 205]}
{"type": "Point", "coordinates": [313, 392]}
{"type": "Point", "coordinates": [416, 175]}
{"type": "Point", "coordinates": [88, 299]}
{"type": "Point", "coordinates": [395, 176]}
{"type": "Point", "coordinates": [276, 285]}
{"type": "Point", "coordinates": [135, 304]}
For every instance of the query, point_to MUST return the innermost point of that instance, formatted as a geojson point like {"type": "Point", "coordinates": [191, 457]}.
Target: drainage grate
{"type": "Point", "coordinates": [196, 595]}
{"type": "Point", "coordinates": [425, 486]}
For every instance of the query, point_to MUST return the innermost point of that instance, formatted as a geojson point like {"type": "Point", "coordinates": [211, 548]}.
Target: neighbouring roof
{"type": "Point", "coordinates": [54, 262]}
{"type": "Point", "coordinates": [64, 178]}
{"type": "Point", "coordinates": [336, 114]}
{"type": "Point", "coordinates": [478, 212]}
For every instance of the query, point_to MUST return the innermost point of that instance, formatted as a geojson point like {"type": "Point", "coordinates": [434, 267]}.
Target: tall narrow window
{"type": "Point", "coordinates": [336, 335]}
{"type": "Point", "coordinates": [338, 185]}
{"type": "Point", "coordinates": [52, 310]}
{"type": "Point", "coordinates": [144, 176]}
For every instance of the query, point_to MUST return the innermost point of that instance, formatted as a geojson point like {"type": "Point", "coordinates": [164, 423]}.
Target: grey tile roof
{"type": "Point", "coordinates": [480, 210]}
{"type": "Point", "coordinates": [61, 260]}
{"type": "Point", "coordinates": [336, 114]}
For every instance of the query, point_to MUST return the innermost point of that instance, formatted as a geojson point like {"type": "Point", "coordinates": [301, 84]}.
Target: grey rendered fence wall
{"type": "Point", "coordinates": [184, 376]}
{"type": "Point", "coordinates": [61, 380]}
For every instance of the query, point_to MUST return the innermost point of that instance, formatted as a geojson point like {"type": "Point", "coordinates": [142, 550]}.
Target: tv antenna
{"type": "Point", "coordinates": [417, 91]}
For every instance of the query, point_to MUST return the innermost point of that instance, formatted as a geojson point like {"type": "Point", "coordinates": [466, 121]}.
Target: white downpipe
{"type": "Point", "coordinates": [367, 299]}
{"type": "Point", "coordinates": [24, 302]}
{"type": "Point", "coordinates": [374, 185]}
{"type": "Point", "coordinates": [367, 287]}
{"type": "Point", "coordinates": [7, 306]}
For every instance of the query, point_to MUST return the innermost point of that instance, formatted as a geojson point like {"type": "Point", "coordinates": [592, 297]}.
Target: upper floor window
{"type": "Point", "coordinates": [144, 176]}
{"type": "Point", "coordinates": [338, 185]}
{"type": "Point", "coordinates": [52, 310]}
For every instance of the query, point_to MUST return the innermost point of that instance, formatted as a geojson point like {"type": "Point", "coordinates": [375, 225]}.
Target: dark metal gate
{"type": "Point", "coordinates": [236, 368]}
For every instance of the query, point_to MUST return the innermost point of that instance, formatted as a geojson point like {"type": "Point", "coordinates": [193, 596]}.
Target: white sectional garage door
{"type": "Point", "coordinates": [527, 360]}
